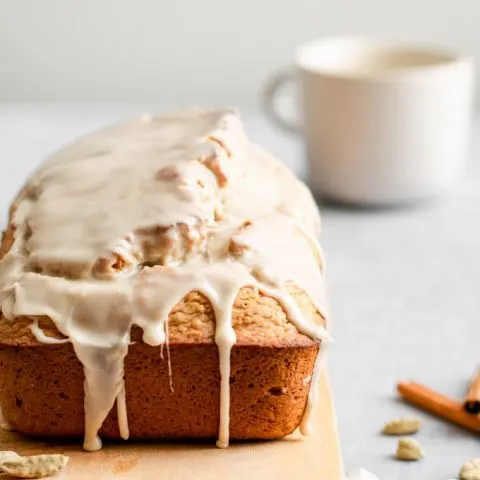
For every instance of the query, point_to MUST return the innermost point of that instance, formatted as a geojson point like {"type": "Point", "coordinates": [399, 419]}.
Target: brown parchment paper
{"type": "Point", "coordinates": [317, 457]}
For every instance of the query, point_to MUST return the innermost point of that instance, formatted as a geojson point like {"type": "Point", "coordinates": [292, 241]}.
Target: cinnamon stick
{"type": "Point", "coordinates": [471, 403]}
{"type": "Point", "coordinates": [439, 405]}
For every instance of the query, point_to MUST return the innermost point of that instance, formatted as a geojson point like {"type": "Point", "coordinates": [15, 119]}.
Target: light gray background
{"type": "Point", "coordinates": [404, 285]}
{"type": "Point", "coordinates": [180, 52]}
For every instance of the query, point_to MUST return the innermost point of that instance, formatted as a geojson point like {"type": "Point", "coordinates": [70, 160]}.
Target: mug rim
{"type": "Point", "coordinates": [441, 59]}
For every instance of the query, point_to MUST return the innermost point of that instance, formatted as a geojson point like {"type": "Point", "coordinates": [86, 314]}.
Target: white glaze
{"type": "Point", "coordinates": [225, 213]}
{"type": "Point", "coordinates": [41, 337]}
{"type": "Point", "coordinates": [4, 425]}
{"type": "Point", "coordinates": [122, 413]}
{"type": "Point", "coordinates": [312, 400]}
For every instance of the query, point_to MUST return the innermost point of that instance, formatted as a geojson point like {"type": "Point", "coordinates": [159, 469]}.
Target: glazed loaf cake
{"type": "Point", "coordinates": [162, 279]}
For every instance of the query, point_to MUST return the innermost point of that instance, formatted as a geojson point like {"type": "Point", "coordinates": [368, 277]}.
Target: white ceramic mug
{"type": "Point", "coordinates": [384, 124]}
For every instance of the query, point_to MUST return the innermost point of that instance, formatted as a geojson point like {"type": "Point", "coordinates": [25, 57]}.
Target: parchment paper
{"type": "Point", "coordinates": [317, 457]}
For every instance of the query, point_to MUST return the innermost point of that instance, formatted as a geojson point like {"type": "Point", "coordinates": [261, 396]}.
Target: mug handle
{"type": "Point", "coordinates": [271, 96]}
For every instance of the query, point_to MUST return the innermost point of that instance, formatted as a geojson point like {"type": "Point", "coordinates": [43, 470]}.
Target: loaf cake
{"type": "Point", "coordinates": [162, 279]}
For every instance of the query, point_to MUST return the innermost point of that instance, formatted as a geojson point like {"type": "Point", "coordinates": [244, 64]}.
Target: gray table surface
{"type": "Point", "coordinates": [405, 288]}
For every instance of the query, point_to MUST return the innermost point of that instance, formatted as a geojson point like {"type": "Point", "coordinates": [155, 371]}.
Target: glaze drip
{"type": "Point", "coordinates": [117, 228]}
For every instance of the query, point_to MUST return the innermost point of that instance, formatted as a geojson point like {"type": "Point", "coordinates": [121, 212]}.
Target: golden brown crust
{"type": "Point", "coordinates": [257, 320]}
{"type": "Point", "coordinates": [41, 391]}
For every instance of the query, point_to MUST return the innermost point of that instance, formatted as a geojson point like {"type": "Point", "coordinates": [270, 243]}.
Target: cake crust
{"type": "Point", "coordinates": [41, 391]}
